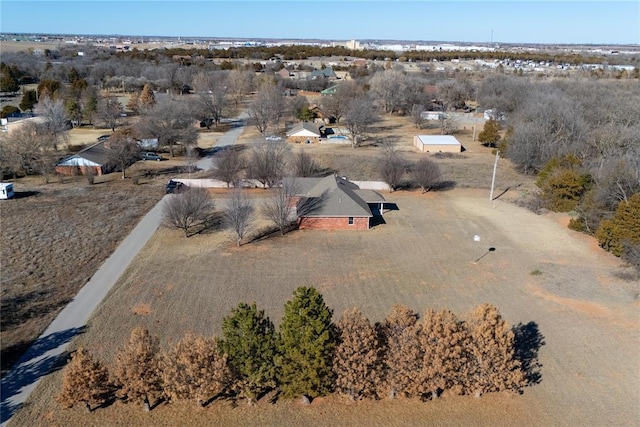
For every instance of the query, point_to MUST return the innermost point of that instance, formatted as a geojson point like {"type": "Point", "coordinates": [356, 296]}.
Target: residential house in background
{"type": "Point", "coordinates": [305, 132]}
{"type": "Point", "coordinates": [93, 159]}
{"type": "Point", "coordinates": [334, 203]}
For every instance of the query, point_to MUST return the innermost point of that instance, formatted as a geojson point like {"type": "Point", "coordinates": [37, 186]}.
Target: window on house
{"type": "Point", "coordinates": [350, 220]}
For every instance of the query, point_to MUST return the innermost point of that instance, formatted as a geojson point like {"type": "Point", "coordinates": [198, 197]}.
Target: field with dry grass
{"type": "Point", "coordinates": [54, 237]}
{"type": "Point", "coordinates": [567, 293]}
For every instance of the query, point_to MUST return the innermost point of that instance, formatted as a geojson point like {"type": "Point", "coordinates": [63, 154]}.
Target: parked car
{"type": "Point", "coordinates": [151, 156]}
{"type": "Point", "coordinates": [273, 138]}
{"type": "Point", "coordinates": [103, 138]}
{"type": "Point", "coordinates": [174, 187]}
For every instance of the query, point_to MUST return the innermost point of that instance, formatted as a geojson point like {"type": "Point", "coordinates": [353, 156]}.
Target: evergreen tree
{"type": "Point", "coordinates": [623, 229]}
{"type": "Point", "coordinates": [147, 99]}
{"type": "Point", "coordinates": [249, 340]}
{"type": "Point", "coordinates": [29, 100]}
{"type": "Point", "coordinates": [444, 341]}
{"type": "Point", "coordinates": [490, 134]}
{"type": "Point", "coordinates": [136, 367]}
{"type": "Point", "coordinates": [306, 345]}
{"type": "Point", "coordinates": [85, 380]}
{"type": "Point", "coordinates": [134, 102]}
{"type": "Point", "coordinates": [403, 355]}
{"type": "Point", "coordinates": [357, 359]}
{"type": "Point", "coordinates": [193, 369]}
{"type": "Point", "coordinates": [492, 365]}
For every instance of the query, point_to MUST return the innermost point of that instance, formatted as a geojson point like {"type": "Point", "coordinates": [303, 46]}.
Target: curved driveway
{"type": "Point", "coordinates": [44, 354]}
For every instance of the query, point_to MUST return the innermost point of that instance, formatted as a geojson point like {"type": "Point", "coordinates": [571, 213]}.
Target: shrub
{"type": "Point", "coordinates": [85, 380]}
{"type": "Point", "coordinates": [623, 229]}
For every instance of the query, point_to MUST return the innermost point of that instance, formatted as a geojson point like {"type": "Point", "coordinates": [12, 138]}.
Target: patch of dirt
{"type": "Point", "coordinates": [141, 309]}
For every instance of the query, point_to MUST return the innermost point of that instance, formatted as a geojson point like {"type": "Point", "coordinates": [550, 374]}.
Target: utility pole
{"type": "Point", "coordinates": [493, 180]}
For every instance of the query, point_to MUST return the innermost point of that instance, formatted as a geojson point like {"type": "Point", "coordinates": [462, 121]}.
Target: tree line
{"type": "Point", "coordinates": [308, 355]}
{"type": "Point", "coordinates": [580, 138]}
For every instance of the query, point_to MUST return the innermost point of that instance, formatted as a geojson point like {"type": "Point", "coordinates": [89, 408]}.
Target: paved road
{"type": "Point", "coordinates": [229, 138]}
{"type": "Point", "coordinates": [44, 354]}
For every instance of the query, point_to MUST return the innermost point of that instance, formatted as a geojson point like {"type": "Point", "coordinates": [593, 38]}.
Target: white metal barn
{"type": "Point", "coordinates": [437, 143]}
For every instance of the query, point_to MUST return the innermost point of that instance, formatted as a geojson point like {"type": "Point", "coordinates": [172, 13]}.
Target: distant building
{"type": "Point", "coordinates": [437, 143]}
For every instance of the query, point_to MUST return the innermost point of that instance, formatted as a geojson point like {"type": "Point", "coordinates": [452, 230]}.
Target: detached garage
{"type": "Point", "coordinates": [437, 143]}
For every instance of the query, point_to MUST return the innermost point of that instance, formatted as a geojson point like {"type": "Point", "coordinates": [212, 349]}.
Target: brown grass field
{"type": "Point", "coordinates": [541, 274]}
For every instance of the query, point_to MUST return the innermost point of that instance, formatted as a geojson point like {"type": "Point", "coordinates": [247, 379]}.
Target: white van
{"type": "Point", "coordinates": [6, 191]}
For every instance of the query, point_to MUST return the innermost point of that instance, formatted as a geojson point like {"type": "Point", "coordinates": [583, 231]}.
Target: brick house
{"type": "Point", "coordinates": [304, 132]}
{"type": "Point", "coordinates": [94, 158]}
{"type": "Point", "coordinates": [334, 203]}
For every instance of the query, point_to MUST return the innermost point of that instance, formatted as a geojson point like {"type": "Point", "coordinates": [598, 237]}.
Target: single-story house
{"type": "Point", "coordinates": [437, 143]}
{"type": "Point", "coordinates": [94, 158]}
{"type": "Point", "coordinates": [334, 203]}
{"type": "Point", "coordinates": [304, 132]}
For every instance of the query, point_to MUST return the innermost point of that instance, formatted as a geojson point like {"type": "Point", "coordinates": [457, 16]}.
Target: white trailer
{"type": "Point", "coordinates": [6, 191]}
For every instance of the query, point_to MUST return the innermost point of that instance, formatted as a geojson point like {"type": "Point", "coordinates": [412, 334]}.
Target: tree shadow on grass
{"type": "Point", "coordinates": [32, 366]}
{"type": "Point", "coordinates": [25, 194]}
{"type": "Point", "coordinates": [527, 343]}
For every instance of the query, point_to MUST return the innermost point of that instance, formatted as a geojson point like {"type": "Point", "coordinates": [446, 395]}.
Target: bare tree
{"type": "Point", "coordinates": [194, 369]}
{"type": "Point", "coordinates": [122, 151]}
{"type": "Point", "coordinates": [416, 115]}
{"type": "Point", "coordinates": [454, 93]}
{"type": "Point", "coordinates": [389, 87]}
{"type": "Point", "coordinates": [267, 161]}
{"type": "Point", "coordinates": [391, 166]}
{"type": "Point", "coordinates": [85, 380]}
{"type": "Point", "coordinates": [170, 121]}
{"type": "Point", "coordinates": [426, 173]}
{"type": "Point", "coordinates": [336, 105]}
{"type": "Point", "coordinates": [56, 119]}
{"type": "Point", "coordinates": [110, 111]}
{"type": "Point", "coordinates": [279, 208]}
{"type": "Point", "coordinates": [212, 89]}
{"type": "Point", "coordinates": [239, 213]}
{"type": "Point", "coordinates": [191, 157]}
{"type": "Point", "coordinates": [239, 85]}
{"type": "Point", "coordinates": [188, 209]}
{"type": "Point", "coordinates": [136, 367]}
{"type": "Point", "coordinates": [28, 149]}
{"type": "Point", "coordinates": [227, 166]}
{"type": "Point", "coordinates": [360, 114]}
{"type": "Point", "coordinates": [303, 164]}
{"type": "Point", "coordinates": [267, 108]}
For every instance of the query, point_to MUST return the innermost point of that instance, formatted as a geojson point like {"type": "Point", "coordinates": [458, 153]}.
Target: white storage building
{"type": "Point", "coordinates": [437, 143]}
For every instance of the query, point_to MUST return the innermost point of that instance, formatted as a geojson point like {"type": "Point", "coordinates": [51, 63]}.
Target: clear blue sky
{"type": "Point", "coordinates": [594, 22]}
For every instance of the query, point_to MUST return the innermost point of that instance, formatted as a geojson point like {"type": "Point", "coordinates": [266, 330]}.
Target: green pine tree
{"type": "Point", "coordinates": [306, 345]}
{"type": "Point", "coordinates": [490, 135]}
{"type": "Point", "coordinates": [249, 341]}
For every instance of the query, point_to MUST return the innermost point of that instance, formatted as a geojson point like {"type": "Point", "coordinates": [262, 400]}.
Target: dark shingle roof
{"type": "Point", "coordinates": [308, 126]}
{"type": "Point", "coordinates": [330, 196]}
{"type": "Point", "coordinates": [97, 153]}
